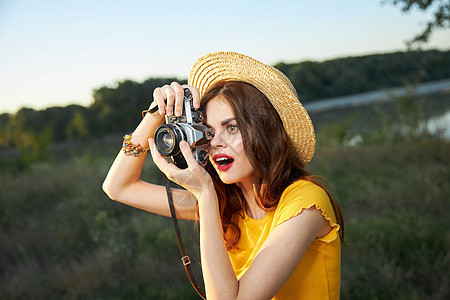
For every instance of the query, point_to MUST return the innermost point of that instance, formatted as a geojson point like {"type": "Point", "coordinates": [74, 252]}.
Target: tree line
{"type": "Point", "coordinates": [350, 75]}
{"type": "Point", "coordinates": [116, 109]}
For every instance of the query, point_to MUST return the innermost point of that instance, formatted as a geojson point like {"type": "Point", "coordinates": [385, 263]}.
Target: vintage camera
{"type": "Point", "coordinates": [188, 127]}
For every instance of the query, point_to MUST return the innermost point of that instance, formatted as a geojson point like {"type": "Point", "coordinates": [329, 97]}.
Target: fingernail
{"type": "Point", "coordinates": [178, 113]}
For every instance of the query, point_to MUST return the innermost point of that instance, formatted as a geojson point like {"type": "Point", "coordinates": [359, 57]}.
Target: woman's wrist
{"type": "Point", "coordinates": [207, 197]}
{"type": "Point", "coordinates": [147, 127]}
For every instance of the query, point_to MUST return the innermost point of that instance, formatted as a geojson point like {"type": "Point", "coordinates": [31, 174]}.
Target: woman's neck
{"type": "Point", "coordinates": [253, 210]}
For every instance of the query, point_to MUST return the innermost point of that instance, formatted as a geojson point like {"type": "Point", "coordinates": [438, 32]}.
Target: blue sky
{"type": "Point", "coordinates": [56, 52]}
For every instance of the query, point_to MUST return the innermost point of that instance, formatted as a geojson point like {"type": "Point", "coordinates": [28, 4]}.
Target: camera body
{"type": "Point", "coordinates": [187, 127]}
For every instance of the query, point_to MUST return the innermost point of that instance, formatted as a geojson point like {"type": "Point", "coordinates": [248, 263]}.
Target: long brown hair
{"type": "Point", "coordinates": [270, 151]}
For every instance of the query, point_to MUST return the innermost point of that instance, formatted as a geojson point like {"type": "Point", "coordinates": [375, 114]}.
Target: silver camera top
{"type": "Point", "coordinates": [190, 114]}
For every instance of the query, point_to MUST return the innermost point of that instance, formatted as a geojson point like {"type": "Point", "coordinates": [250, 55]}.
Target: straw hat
{"type": "Point", "coordinates": [219, 66]}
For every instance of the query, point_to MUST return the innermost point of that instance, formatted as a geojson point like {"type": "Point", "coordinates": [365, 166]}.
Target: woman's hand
{"type": "Point", "coordinates": [170, 101]}
{"type": "Point", "coordinates": [194, 178]}
{"type": "Point", "coordinates": [171, 97]}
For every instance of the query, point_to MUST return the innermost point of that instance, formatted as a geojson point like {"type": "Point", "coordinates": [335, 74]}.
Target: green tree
{"type": "Point", "coordinates": [29, 133]}
{"type": "Point", "coordinates": [35, 146]}
{"type": "Point", "coordinates": [349, 75]}
{"type": "Point", "coordinates": [117, 109]}
{"type": "Point", "coordinates": [441, 16]}
{"type": "Point", "coordinates": [78, 127]}
{"type": "Point", "coordinates": [5, 120]}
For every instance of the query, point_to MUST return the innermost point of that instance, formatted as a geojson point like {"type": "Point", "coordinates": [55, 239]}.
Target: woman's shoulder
{"type": "Point", "coordinates": [303, 189]}
{"type": "Point", "coordinates": [303, 194]}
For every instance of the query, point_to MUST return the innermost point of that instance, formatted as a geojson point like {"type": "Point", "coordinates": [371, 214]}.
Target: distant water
{"type": "Point", "coordinates": [379, 96]}
{"type": "Point", "coordinates": [440, 125]}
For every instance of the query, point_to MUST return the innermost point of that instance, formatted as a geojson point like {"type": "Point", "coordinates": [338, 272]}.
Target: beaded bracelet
{"type": "Point", "coordinates": [130, 149]}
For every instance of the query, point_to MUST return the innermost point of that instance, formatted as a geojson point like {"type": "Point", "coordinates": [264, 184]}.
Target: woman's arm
{"type": "Point", "coordinates": [281, 253]}
{"type": "Point", "coordinates": [272, 266]}
{"type": "Point", "coordinates": [123, 182]}
{"type": "Point", "coordinates": [218, 274]}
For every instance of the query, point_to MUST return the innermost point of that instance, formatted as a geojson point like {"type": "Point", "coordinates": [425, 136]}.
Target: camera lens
{"type": "Point", "coordinates": [167, 139]}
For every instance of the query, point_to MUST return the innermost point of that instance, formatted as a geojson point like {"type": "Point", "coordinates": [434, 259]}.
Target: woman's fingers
{"type": "Point", "coordinates": [159, 160]}
{"type": "Point", "coordinates": [160, 98]}
{"type": "Point", "coordinates": [179, 98]}
{"type": "Point", "coordinates": [170, 96]}
{"type": "Point", "coordinates": [195, 95]}
{"type": "Point", "coordinates": [193, 165]}
{"type": "Point", "coordinates": [193, 178]}
{"type": "Point", "coordinates": [165, 166]}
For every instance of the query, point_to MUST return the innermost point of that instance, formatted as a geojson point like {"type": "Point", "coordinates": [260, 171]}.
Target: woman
{"type": "Point", "coordinates": [268, 229]}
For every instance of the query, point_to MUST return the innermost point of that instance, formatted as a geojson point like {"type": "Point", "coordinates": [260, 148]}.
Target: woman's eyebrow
{"type": "Point", "coordinates": [226, 121]}
{"type": "Point", "coordinates": [223, 122]}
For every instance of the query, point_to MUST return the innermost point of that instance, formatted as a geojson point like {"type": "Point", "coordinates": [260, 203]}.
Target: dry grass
{"type": "Point", "coordinates": [62, 238]}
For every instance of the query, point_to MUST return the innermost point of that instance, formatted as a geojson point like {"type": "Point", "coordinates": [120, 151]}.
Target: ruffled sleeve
{"type": "Point", "coordinates": [302, 195]}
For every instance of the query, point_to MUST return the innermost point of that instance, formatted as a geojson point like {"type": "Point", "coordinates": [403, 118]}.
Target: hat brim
{"type": "Point", "coordinates": [227, 66]}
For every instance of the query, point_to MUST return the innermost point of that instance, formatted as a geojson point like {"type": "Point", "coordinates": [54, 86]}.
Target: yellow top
{"type": "Point", "coordinates": [317, 276]}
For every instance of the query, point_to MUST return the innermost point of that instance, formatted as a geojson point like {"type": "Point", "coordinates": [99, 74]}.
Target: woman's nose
{"type": "Point", "coordinates": [217, 141]}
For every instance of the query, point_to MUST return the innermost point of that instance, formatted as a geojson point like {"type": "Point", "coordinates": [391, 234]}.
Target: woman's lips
{"type": "Point", "coordinates": [223, 161]}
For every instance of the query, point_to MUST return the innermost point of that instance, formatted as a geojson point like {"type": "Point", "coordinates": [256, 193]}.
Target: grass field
{"type": "Point", "coordinates": [62, 238]}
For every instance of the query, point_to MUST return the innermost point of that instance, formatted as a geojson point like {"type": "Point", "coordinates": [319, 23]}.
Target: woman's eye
{"type": "Point", "coordinates": [232, 128]}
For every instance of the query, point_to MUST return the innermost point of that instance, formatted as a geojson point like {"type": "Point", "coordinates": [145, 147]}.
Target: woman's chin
{"type": "Point", "coordinates": [233, 175]}
{"type": "Point", "coordinates": [226, 179]}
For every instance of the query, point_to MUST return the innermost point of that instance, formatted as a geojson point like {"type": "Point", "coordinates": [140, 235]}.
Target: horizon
{"type": "Point", "coordinates": [56, 54]}
{"type": "Point", "coordinates": [116, 82]}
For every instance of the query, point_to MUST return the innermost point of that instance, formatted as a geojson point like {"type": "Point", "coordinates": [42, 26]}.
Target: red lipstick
{"type": "Point", "coordinates": [223, 161]}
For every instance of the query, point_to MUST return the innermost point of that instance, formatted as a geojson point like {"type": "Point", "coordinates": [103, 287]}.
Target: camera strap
{"type": "Point", "coordinates": [184, 257]}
